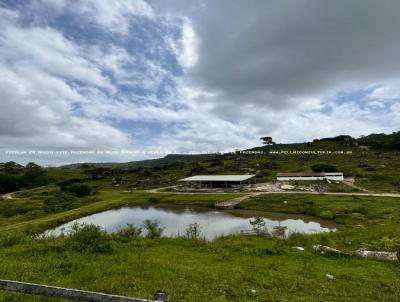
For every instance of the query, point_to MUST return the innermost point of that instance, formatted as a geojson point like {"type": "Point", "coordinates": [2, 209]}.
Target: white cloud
{"type": "Point", "coordinates": [114, 16]}
{"type": "Point", "coordinates": [248, 71]}
{"type": "Point", "coordinates": [186, 48]}
{"type": "Point", "coordinates": [38, 67]}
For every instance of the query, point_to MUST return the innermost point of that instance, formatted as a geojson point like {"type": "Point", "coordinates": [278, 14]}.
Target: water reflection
{"type": "Point", "coordinates": [212, 223]}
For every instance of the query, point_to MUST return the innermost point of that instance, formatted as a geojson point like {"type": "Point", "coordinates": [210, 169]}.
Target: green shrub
{"type": "Point", "coordinates": [88, 239]}
{"type": "Point", "coordinates": [79, 190]}
{"type": "Point", "coordinates": [193, 231]}
{"type": "Point", "coordinates": [130, 231]}
{"type": "Point", "coordinates": [10, 183]}
{"type": "Point", "coordinates": [152, 228]}
{"type": "Point", "coordinates": [322, 167]}
{"type": "Point", "coordinates": [273, 251]}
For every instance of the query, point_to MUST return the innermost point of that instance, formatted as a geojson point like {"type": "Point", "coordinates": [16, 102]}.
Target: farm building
{"type": "Point", "coordinates": [218, 181]}
{"type": "Point", "coordinates": [336, 176]}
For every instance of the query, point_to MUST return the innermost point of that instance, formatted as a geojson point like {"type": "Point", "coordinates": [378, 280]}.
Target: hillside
{"type": "Point", "coordinates": [372, 161]}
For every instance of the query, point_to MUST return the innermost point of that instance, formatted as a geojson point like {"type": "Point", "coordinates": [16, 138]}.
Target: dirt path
{"type": "Point", "coordinates": [337, 193]}
{"type": "Point", "coordinates": [249, 194]}
{"type": "Point", "coordinates": [9, 195]}
{"type": "Point", "coordinates": [349, 181]}
{"type": "Point", "coordinates": [235, 201]}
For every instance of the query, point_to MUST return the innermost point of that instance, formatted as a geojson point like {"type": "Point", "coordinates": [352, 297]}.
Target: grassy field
{"type": "Point", "coordinates": [234, 268]}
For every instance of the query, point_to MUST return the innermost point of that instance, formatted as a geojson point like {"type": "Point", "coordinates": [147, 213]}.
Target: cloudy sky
{"type": "Point", "coordinates": [131, 79]}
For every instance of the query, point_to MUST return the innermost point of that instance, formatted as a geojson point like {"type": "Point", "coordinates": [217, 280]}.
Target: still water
{"type": "Point", "coordinates": [212, 223]}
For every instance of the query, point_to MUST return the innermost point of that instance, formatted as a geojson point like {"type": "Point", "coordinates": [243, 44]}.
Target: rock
{"type": "Point", "coordinates": [389, 256]}
{"type": "Point", "coordinates": [299, 248]}
{"type": "Point", "coordinates": [287, 187]}
{"type": "Point", "coordinates": [253, 291]}
{"type": "Point", "coordinates": [326, 250]}
{"type": "Point", "coordinates": [329, 276]}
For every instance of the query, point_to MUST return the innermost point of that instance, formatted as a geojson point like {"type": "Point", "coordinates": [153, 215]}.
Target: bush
{"type": "Point", "coordinates": [79, 190]}
{"type": "Point", "coordinates": [321, 167]}
{"type": "Point", "coordinates": [152, 228]}
{"type": "Point", "coordinates": [130, 231]}
{"type": "Point", "coordinates": [88, 239]}
{"type": "Point", "coordinates": [258, 225]}
{"type": "Point", "coordinates": [273, 250]}
{"type": "Point", "coordinates": [193, 231]}
{"type": "Point", "coordinates": [9, 183]}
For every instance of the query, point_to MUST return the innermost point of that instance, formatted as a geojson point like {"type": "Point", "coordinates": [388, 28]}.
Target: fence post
{"type": "Point", "coordinates": [65, 293]}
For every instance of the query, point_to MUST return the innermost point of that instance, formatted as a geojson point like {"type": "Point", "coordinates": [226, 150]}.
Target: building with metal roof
{"type": "Point", "coordinates": [337, 176]}
{"type": "Point", "coordinates": [220, 180]}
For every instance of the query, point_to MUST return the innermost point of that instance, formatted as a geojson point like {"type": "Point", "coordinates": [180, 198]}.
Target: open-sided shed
{"type": "Point", "coordinates": [220, 180]}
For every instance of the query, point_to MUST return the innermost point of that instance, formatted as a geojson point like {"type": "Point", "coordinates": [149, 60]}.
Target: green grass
{"type": "Point", "coordinates": [362, 221]}
{"type": "Point", "coordinates": [227, 269]}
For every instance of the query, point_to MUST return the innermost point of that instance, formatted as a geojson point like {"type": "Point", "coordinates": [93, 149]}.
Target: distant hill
{"type": "Point", "coordinates": [381, 141]}
{"type": "Point", "coordinates": [148, 163]}
{"type": "Point", "coordinates": [373, 162]}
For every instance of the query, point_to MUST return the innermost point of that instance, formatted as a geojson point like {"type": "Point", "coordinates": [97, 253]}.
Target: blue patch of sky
{"type": "Point", "coordinates": [358, 97]}
{"type": "Point", "coordinates": [146, 38]}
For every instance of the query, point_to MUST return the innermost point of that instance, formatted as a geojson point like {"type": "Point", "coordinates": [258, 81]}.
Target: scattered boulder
{"type": "Point", "coordinates": [326, 250]}
{"type": "Point", "coordinates": [389, 256]}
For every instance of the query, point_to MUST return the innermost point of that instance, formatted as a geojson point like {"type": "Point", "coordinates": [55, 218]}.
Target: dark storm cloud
{"type": "Point", "coordinates": [270, 51]}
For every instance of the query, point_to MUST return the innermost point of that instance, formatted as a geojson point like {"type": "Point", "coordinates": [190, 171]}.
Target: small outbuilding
{"type": "Point", "coordinates": [336, 176]}
{"type": "Point", "coordinates": [219, 181]}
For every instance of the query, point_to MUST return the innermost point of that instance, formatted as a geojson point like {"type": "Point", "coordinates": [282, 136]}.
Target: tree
{"type": "Point", "coordinates": [9, 183]}
{"type": "Point", "coordinates": [267, 140]}
{"type": "Point", "coordinates": [11, 167]}
{"type": "Point", "coordinates": [34, 175]}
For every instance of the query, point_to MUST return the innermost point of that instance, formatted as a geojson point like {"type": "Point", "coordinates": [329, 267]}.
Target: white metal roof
{"type": "Point", "coordinates": [218, 177]}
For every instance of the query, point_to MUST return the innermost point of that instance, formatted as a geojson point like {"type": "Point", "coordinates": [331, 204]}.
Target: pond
{"type": "Point", "coordinates": [213, 223]}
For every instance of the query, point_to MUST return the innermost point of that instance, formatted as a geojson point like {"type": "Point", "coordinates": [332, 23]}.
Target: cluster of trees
{"type": "Point", "coordinates": [382, 141]}
{"type": "Point", "coordinates": [14, 176]}
{"type": "Point", "coordinates": [378, 141]}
